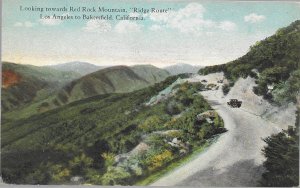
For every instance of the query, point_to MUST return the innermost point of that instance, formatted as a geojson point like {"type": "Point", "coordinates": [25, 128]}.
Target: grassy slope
{"type": "Point", "coordinates": [34, 147]}
{"type": "Point", "coordinates": [104, 104]}
{"type": "Point", "coordinates": [150, 73]}
{"type": "Point", "coordinates": [110, 80]}
{"type": "Point", "coordinates": [33, 133]}
{"type": "Point", "coordinates": [118, 79]}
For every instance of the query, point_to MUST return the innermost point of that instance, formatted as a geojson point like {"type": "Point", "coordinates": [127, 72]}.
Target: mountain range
{"type": "Point", "coordinates": [82, 68]}
{"type": "Point", "coordinates": [59, 125]}
{"type": "Point", "coordinates": [22, 84]}
{"type": "Point", "coordinates": [116, 79]}
{"type": "Point", "coordinates": [181, 68]}
{"type": "Point", "coordinates": [28, 89]}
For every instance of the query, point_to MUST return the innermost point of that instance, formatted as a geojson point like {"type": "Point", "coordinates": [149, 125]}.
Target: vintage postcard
{"type": "Point", "coordinates": [150, 93]}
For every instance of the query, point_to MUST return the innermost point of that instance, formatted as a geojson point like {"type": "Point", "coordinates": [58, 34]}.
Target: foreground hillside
{"type": "Point", "coordinates": [109, 139]}
{"type": "Point", "coordinates": [236, 158]}
{"type": "Point", "coordinates": [22, 84]}
{"type": "Point", "coordinates": [271, 69]}
{"type": "Point", "coordinates": [274, 62]}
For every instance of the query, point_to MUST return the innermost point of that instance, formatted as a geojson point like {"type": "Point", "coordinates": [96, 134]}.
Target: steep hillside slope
{"type": "Point", "coordinates": [150, 73]}
{"type": "Point", "coordinates": [236, 158]}
{"type": "Point", "coordinates": [83, 68]}
{"type": "Point", "coordinates": [22, 83]}
{"type": "Point", "coordinates": [274, 62]}
{"type": "Point", "coordinates": [111, 139]}
{"type": "Point", "coordinates": [117, 79]}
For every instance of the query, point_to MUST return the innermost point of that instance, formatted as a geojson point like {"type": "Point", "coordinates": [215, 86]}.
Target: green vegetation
{"type": "Point", "coordinates": [150, 73]}
{"type": "Point", "coordinates": [117, 79]}
{"type": "Point", "coordinates": [33, 83]}
{"type": "Point", "coordinates": [274, 62]}
{"type": "Point", "coordinates": [97, 138]}
{"type": "Point", "coordinates": [184, 160]}
{"type": "Point", "coordinates": [282, 153]}
{"type": "Point", "coordinates": [48, 95]}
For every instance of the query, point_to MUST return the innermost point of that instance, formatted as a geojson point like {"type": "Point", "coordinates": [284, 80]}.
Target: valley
{"type": "Point", "coordinates": [78, 123]}
{"type": "Point", "coordinates": [45, 94]}
{"type": "Point", "coordinates": [117, 133]}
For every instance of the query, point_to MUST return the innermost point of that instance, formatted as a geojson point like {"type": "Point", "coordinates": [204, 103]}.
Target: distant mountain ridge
{"type": "Point", "coordinates": [181, 68]}
{"type": "Point", "coordinates": [83, 68]}
{"type": "Point", "coordinates": [22, 83]}
{"type": "Point", "coordinates": [116, 79]}
{"type": "Point", "coordinates": [29, 89]}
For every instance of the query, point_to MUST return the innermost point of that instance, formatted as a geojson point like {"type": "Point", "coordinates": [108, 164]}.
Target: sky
{"type": "Point", "coordinates": [194, 32]}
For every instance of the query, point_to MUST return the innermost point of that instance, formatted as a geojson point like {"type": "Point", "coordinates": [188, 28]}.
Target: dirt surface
{"type": "Point", "coordinates": [236, 158]}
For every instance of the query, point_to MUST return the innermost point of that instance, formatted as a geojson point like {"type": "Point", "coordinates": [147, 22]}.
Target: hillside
{"type": "Point", "coordinates": [23, 83]}
{"type": "Point", "coordinates": [111, 139]}
{"type": "Point", "coordinates": [181, 68]}
{"type": "Point", "coordinates": [117, 79]}
{"type": "Point", "coordinates": [150, 73]}
{"type": "Point", "coordinates": [82, 68]}
{"type": "Point", "coordinates": [273, 62]}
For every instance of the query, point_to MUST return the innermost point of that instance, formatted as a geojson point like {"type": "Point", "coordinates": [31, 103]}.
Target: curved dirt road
{"type": "Point", "coordinates": [235, 159]}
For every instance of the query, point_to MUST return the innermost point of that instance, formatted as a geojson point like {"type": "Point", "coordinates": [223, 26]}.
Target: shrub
{"type": "Point", "coordinates": [225, 89]}
{"type": "Point", "coordinates": [79, 163]}
{"type": "Point", "coordinates": [282, 164]}
{"type": "Point", "coordinates": [152, 123]}
{"type": "Point", "coordinates": [173, 108]}
{"type": "Point", "coordinates": [159, 160]}
{"type": "Point", "coordinates": [116, 176]}
{"type": "Point", "coordinates": [198, 86]}
{"type": "Point", "coordinates": [109, 158]}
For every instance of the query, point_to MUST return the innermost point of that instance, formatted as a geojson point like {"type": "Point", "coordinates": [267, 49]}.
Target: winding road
{"type": "Point", "coordinates": [235, 159]}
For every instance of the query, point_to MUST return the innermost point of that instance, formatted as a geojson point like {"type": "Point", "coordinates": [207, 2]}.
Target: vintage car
{"type": "Point", "coordinates": [234, 103]}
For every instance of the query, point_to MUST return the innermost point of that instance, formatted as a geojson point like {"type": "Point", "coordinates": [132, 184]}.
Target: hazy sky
{"type": "Point", "coordinates": [202, 32]}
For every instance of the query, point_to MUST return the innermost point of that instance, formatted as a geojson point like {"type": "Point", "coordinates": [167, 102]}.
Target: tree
{"type": "Point", "coordinates": [225, 89]}
{"type": "Point", "coordinates": [282, 164]}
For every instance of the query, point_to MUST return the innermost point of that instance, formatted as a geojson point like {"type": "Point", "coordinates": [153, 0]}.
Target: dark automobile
{"type": "Point", "coordinates": [234, 103]}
